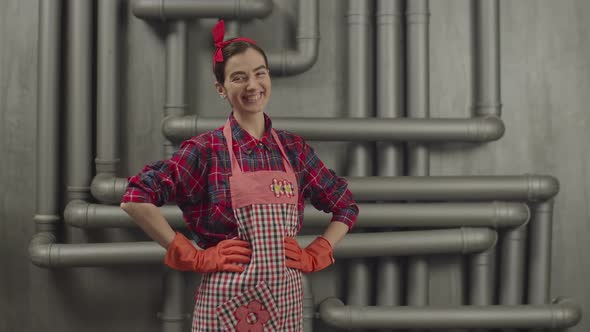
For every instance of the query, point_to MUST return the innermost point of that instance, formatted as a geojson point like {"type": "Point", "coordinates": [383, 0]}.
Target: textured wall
{"type": "Point", "coordinates": [545, 83]}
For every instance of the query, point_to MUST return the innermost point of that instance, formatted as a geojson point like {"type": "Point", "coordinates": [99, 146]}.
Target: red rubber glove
{"type": "Point", "coordinates": [315, 257]}
{"type": "Point", "coordinates": [182, 255]}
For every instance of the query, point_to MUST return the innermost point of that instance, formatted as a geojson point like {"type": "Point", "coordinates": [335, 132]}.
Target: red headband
{"type": "Point", "coordinates": [218, 33]}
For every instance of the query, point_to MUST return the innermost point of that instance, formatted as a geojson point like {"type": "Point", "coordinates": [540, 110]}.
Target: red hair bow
{"type": "Point", "coordinates": [218, 34]}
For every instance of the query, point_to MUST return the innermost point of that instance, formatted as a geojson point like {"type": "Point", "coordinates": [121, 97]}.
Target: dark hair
{"type": "Point", "coordinates": [230, 50]}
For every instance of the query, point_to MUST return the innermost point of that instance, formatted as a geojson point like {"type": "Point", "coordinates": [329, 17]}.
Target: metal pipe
{"type": "Point", "coordinates": [441, 215]}
{"type": "Point", "coordinates": [48, 106]}
{"type": "Point", "coordinates": [176, 51]}
{"type": "Point", "coordinates": [563, 313]}
{"type": "Point", "coordinates": [173, 315]}
{"type": "Point", "coordinates": [188, 9]}
{"type": "Point", "coordinates": [108, 82]}
{"type": "Point", "coordinates": [79, 108]}
{"type": "Point", "coordinates": [359, 103]}
{"type": "Point", "coordinates": [531, 188]}
{"type": "Point", "coordinates": [481, 129]}
{"type": "Point", "coordinates": [418, 100]}
{"type": "Point", "coordinates": [390, 103]}
{"type": "Point", "coordinates": [305, 54]}
{"type": "Point", "coordinates": [539, 272]}
{"type": "Point", "coordinates": [482, 277]}
{"type": "Point", "coordinates": [512, 260]}
{"type": "Point", "coordinates": [449, 241]}
{"type": "Point", "coordinates": [486, 41]}
{"type": "Point", "coordinates": [308, 306]}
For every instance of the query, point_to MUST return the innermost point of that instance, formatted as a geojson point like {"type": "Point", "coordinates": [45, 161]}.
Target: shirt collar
{"type": "Point", "coordinates": [247, 142]}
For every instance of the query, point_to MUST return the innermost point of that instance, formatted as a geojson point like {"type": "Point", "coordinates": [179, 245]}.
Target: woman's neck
{"type": "Point", "coordinates": [253, 123]}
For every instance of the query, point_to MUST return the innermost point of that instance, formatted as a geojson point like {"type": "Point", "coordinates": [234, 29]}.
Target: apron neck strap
{"type": "Point", "coordinates": [235, 167]}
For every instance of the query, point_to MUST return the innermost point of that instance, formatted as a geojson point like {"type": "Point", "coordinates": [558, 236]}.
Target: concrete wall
{"type": "Point", "coordinates": [545, 85]}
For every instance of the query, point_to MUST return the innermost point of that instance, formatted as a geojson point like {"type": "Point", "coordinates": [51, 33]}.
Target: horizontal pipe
{"type": "Point", "coordinates": [529, 187]}
{"type": "Point", "coordinates": [186, 9]}
{"type": "Point", "coordinates": [479, 129]}
{"type": "Point", "coordinates": [495, 215]}
{"type": "Point", "coordinates": [457, 241]}
{"type": "Point", "coordinates": [564, 313]}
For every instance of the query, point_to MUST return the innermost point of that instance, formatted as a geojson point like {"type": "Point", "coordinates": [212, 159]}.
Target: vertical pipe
{"type": "Point", "coordinates": [482, 281]}
{"type": "Point", "coordinates": [172, 315]}
{"type": "Point", "coordinates": [418, 100]}
{"type": "Point", "coordinates": [390, 103]}
{"type": "Point", "coordinates": [48, 84]}
{"type": "Point", "coordinates": [232, 29]}
{"type": "Point", "coordinates": [176, 48]}
{"type": "Point", "coordinates": [175, 105]}
{"type": "Point", "coordinates": [487, 58]}
{"type": "Point", "coordinates": [512, 271]}
{"type": "Point", "coordinates": [360, 105]}
{"type": "Point", "coordinates": [79, 97]}
{"type": "Point", "coordinates": [539, 274]}
{"type": "Point", "coordinates": [107, 100]}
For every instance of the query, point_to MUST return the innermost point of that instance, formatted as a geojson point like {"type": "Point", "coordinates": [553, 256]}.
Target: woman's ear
{"type": "Point", "coordinates": [220, 89]}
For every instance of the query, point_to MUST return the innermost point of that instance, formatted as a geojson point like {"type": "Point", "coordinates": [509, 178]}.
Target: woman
{"type": "Point", "coordinates": [242, 189]}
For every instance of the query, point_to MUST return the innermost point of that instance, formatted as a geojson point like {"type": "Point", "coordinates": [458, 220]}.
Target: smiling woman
{"type": "Point", "coordinates": [242, 190]}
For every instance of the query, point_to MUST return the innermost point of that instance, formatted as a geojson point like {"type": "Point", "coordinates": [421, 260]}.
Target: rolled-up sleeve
{"type": "Point", "coordinates": [327, 191]}
{"type": "Point", "coordinates": [173, 179]}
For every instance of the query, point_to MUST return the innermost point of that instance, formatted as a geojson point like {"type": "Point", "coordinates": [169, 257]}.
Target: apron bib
{"type": "Point", "coordinates": [267, 296]}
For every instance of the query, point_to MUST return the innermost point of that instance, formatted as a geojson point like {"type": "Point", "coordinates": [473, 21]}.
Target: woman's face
{"type": "Point", "coordinates": [247, 82]}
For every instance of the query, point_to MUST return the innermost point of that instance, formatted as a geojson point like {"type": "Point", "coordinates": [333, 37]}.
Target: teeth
{"type": "Point", "coordinates": [253, 98]}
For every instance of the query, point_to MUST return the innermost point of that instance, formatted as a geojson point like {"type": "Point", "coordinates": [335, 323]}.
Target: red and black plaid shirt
{"type": "Point", "coordinates": [197, 179]}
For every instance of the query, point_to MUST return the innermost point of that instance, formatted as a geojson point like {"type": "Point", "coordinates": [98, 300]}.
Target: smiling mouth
{"type": "Point", "coordinates": [252, 98]}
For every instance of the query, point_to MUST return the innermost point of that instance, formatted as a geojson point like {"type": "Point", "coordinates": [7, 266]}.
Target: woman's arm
{"type": "Point", "coordinates": [335, 232]}
{"type": "Point", "coordinates": [149, 218]}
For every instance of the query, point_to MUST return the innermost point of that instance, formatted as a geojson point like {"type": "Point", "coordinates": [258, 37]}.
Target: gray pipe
{"type": "Point", "coordinates": [108, 82]}
{"type": "Point", "coordinates": [539, 272]}
{"type": "Point", "coordinates": [305, 54]}
{"type": "Point", "coordinates": [418, 100]}
{"type": "Point", "coordinates": [187, 9]}
{"type": "Point", "coordinates": [79, 119]}
{"type": "Point", "coordinates": [495, 215]}
{"type": "Point", "coordinates": [455, 241]}
{"type": "Point", "coordinates": [359, 103]}
{"type": "Point", "coordinates": [176, 52]}
{"type": "Point", "coordinates": [48, 106]}
{"type": "Point", "coordinates": [482, 280]}
{"type": "Point", "coordinates": [512, 260]}
{"type": "Point", "coordinates": [390, 103]}
{"type": "Point", "coordinates": [308, 305]}
{"type": "Point", "coordinates": [531, 188]}
{"type": "Point", "coordinates": [173, 315]}
{"type": "Point", "coordinates": [564, 313]}
{"type": "Point", "coordinates": [486, 41]}
{"type": "Point", "coordinates": [481, 129]}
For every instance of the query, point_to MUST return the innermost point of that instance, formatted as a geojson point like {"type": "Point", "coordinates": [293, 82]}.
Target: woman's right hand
{"type": "Point", "coordinates": [225, 256]}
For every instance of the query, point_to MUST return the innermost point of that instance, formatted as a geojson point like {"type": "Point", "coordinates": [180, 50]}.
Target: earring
{"type": "Point", "coordinates": [222, 96]}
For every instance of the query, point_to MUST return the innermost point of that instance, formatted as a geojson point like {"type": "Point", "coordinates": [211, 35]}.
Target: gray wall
{"type": "Point", "coordinates": [545, 91]}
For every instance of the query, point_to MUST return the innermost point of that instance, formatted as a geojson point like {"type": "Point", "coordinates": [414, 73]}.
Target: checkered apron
{"type": "Point", "coordinates": [267, 296]}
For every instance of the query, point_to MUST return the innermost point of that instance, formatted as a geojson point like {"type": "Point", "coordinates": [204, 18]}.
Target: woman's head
{"type": "Point", "coordinates": [243, 76]}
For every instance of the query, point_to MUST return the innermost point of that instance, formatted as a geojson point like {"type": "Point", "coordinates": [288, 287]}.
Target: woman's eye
{"type": "Point", "coordinates": [261, 74]}
{"type": "Point", "coordinates": [238, 79]}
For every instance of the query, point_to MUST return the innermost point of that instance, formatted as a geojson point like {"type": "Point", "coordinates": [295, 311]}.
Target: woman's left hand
{"type": "Point", "coordinates": [315, 257]}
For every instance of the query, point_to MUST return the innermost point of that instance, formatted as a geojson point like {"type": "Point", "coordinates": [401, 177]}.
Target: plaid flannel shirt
{"type": "Point", "coordinates": [197, 179]}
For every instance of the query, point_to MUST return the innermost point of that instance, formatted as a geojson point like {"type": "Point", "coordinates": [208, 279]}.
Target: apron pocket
{"type": "Point", "coordinates": [250, 311]}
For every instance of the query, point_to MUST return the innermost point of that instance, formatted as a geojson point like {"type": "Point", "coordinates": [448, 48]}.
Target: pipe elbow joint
{"type": "Point", "coordinates": [542, 187]}
{"type": "Point", "coordinates": [40, 249]}
{"type": "Point", "coordinates": [568, 313]}
{"type": "Point", "coordinates": [76, 213]}
{"type": "Point", "coordinates": [478, 239]}
{"type": "Point", "coordinates": [490, 128]}
{"type": "Point", "coordinates": [107, 188]}
{"type": "Point", "coordinates": [177, 128]}
{"type": "Point", "coordinates": [334, 313]}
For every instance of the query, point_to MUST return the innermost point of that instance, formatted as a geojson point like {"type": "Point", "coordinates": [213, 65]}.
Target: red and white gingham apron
{"type": "Point", "coordinates": [267, 296]}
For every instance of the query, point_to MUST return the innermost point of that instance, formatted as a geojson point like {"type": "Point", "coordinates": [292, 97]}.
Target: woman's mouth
{"type": "Point", "coordinates": [252, 98]}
